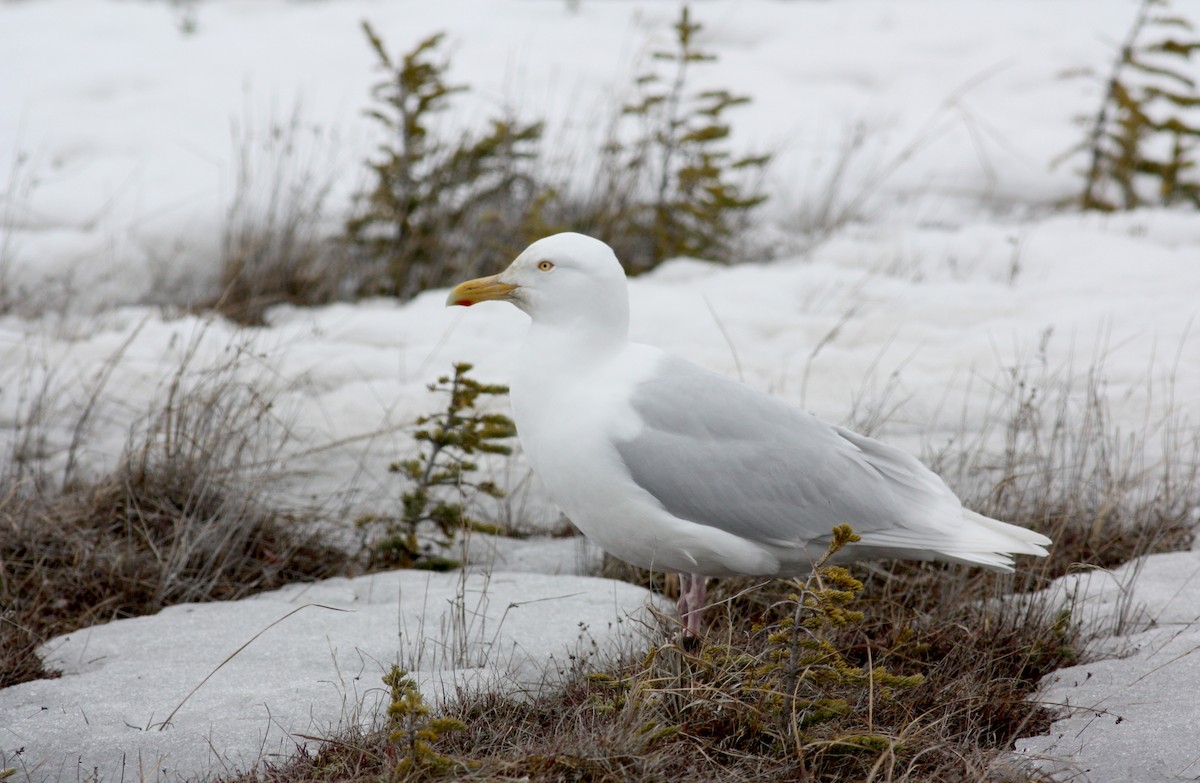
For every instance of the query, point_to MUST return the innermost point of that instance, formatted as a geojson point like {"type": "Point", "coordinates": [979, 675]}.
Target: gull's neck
{"type": "Point", "coordinates": [564, 362]}
{"type": "Point", "coordinates": [568, 347]}
{"type": "Point", "coordinates": [591, 332]}
{"type": "Point", "coordinates": [567, 344]}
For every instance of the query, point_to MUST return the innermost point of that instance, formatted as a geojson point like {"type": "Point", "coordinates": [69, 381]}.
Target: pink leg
{"type": "Point", "coordinates": [692, 592]}
{"type": "Point", "coordinates": [685, 586]}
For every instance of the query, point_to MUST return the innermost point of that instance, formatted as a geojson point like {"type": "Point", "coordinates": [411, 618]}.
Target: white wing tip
{"type": "Point", "coordinates": [980, 540]}
{"type": "Point", "coordinates": [1013, 540]}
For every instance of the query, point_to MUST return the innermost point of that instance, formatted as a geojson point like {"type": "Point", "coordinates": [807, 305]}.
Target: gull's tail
{"type": "Point", "coordinates": [998, 541]}
{"type": "Point", "coordinates": [973, 540]}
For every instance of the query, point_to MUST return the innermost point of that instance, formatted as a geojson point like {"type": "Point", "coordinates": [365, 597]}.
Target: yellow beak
{"type": "Point", "coordinates": [480, 290]}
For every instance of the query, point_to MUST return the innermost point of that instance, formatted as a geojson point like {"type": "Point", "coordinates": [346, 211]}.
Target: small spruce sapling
{"type": "Point", "coordinates": [805, 675]}
{"type": "Point", "coordinates": [448, 441]}
{"type": "Point", "coordinates": [1146, 132]}
{"type": "Point", "coordinates": [790, 685]}
{"type": "Point", "coordinates": [414, 729]}
{"type": "Point", "coordinates": [698, 192]}
{"type": "Point", "coordinates": [422, 219]}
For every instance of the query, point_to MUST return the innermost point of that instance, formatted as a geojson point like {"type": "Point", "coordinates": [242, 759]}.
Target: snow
{"type": "Point", "coordinates": [1131, 716]}
{"type": "Point", "coordinates": [177, 692]}
{"type": "Point", "coordinates": [957, 275]}
{"type": "Point", "coordinates": [130, 143]}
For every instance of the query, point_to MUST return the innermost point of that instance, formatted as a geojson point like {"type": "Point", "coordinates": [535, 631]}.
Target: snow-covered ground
{"type": "Point", "coordinates": [124, 131]}
{"type": "Point", "coordinates": [1131, 715]}
{"type": "Point", "coordinates": [312, 665]}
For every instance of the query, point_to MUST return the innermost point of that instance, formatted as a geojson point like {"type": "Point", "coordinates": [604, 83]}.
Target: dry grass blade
{"type": "Point", "coordinates": [185, 516]}
{"type": "Point", "coordinates": [273, 249]}
{"type": "Point", "coordinates": [1064, 466]}
{"type": "Point", "coordinates": [167, 721]}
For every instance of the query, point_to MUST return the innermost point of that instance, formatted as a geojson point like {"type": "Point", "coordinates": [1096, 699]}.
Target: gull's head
{"type": "Point", "coordinates": [560, 280]}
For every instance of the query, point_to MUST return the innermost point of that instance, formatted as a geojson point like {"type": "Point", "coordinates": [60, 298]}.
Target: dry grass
{"type": "Point", "coordinates": [704, 712]}
{"type": "Point", "coordinates": [689, 712]}
{"type": "Point", "coordinates": [275, 249]}
{"type": "Point", "coordinates": [1105, 494]}
{"type": "Point", "coordinates": [700, 713]}
{"type": "Point", "coordinates": [184, 517]}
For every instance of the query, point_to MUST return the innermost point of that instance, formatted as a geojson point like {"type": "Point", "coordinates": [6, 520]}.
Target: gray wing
{"type": "Point", "coordinates": [718, 453]}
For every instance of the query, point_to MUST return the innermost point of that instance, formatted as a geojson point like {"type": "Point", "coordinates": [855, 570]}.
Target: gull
{"type": "Point", "coordinates": [671, 467]}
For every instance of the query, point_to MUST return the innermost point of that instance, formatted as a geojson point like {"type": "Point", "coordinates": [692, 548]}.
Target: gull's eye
{"type": "Point", "coordinates": [545, 266]}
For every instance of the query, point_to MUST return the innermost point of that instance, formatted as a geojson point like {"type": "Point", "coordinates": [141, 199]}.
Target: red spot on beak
{"type": "Point", "coordinates": [464, 302]}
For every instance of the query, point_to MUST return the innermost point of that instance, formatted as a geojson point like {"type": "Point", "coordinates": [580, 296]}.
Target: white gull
{"type": "Point", "coordinates": [671, 467]}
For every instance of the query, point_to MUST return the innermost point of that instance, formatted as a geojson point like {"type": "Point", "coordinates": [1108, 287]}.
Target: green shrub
{"type": "Point", "coordinates": [1144, 132]}
{"type": "Point", "coordinates": [448, 440]}
{"type": "Point", "coordinates": [790, 687]}
{"type": "Point", "coordinates": [413, 729]}
{"type": "Point", "coordinates": [444, 209]}
{"type": "Point", "coordinates": [667, 183]}
{"type": "Point", "coordinates": [805, 677]}
{"type": "Point", "coordinates": [440, 209]}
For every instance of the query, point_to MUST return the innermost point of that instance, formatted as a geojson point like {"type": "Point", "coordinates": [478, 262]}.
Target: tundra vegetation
{"type": "Point", "coordinates": [888, 671]}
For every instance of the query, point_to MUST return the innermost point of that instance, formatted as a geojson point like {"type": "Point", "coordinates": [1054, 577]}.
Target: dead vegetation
{"type": "Point", "coordinates": [183, 517]}
{"type": "Point", "coordinates": [714, 712]}
{"type": "Point", "coordinates": [1052, 456]}
{"type": "Point", "coordinates": [275, 247]}
{"type": "Point", "coordinates": [968, 647]}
